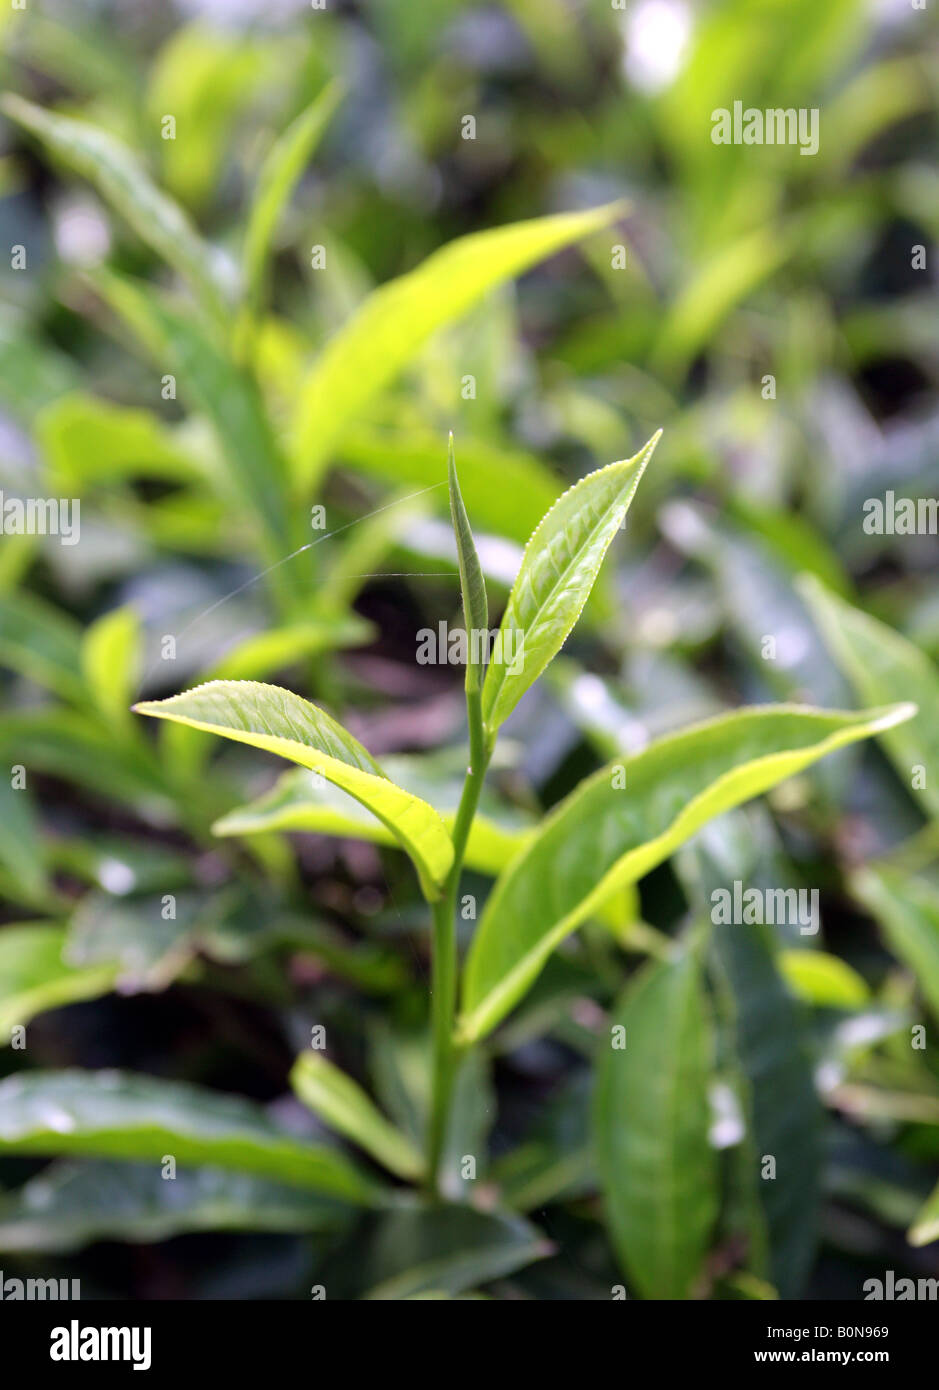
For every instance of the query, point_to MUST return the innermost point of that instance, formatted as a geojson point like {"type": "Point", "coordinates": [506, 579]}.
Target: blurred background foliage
{"type": "Point", "coordinates": [728, 266]}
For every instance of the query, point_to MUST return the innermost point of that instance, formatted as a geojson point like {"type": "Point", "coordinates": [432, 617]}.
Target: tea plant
{"type": "Point", "coordinates": [610, 831]}
{"type": "Point", "coordinates": [606, 1084]}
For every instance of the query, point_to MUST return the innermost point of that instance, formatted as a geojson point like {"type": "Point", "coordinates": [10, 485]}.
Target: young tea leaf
{"type": "Point", "coordinates": [558, 570]}
{"type": "Point", "coordinates": [296, 803]}
{"type": "Point", "coordinates": [347, 1109]}
{"type": "Point", "coordinates": [396, 320]}
{"type": "Point", "coordinates": [282, 168]}
{"type": "Point", "coordinates": [472, 583]}
{"type": "Point", "coordinates": [625, 819]}
{"type": "Point", "coordinates": [265, 716]}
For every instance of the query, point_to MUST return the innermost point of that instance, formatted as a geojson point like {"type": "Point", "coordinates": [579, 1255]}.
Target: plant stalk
{"type": "Point", "coordinates": [444, 958]}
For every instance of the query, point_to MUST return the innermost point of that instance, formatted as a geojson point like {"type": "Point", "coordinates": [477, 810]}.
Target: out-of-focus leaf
{"type": "Point", "coordinates": [285, 163]}
{"type": "Point", "coordinates": [882, 665]}
{"type": "Point", "coordinates": [908, 910]}
{"type": "Point", "coordinates": [506, 492]}
{"type": "Point", "coordinates": [256, 471]}
{"type": "Point", "coordinates": [558, 570]}
{"type": "Point", "coordinates": [74, 1204]}
{"type": "Point", "coordinates": [87, 441]}
{"type": "Point", "coordinates": [757, 593]}
{"type": "Point", "coordinates": [445, 1249]}
{"type": "Point", "coordinates": [783, 1113]}
{"type": "Point", "coordinates": [716, 288]}
{"type": "Point", "coordinates": [71, 746]}
{"type": "Point", "coordinates": [822, 979]}
{"type": "Point", "coordinates": [657, 1168]}
{"type": "Point", "coordinates": [556, 1158]}
{"type": "Point", "coordinates": [297, 802]}
{"type": "Point", "coordinates": [39, 642]}
{"type": "Point", "coordinates": [119, 1115]}
{"type": "Point", "coordinates": [33, 373]}
{"type": "Point", "coordinates": [145, 940]}
{"type": "Point", "coordinates": [925, 1228]}
{"type": "Point", "coordinates": [262, 654]}
{"type": "Point", "coordinates": [34, 977]}
{"type": "Point", "coordinates": [278, 721]}
{"type": "Point", "coordinates": [627, 818]}
{"type": "Point", "coordinates": [204, 76]}
{"type": "Point", "coordinates": [397, 319]}
{"type": "Point", "coordinates": [22, 851]}
{"type": "Point", "coordinates": [123, 181]}
{"type": "Point", "coordinates": [111, 657]}
{"type": "Point", "coordinates": [345, 1107]}
{"type": "Point", "coordinates": [472, 1116]}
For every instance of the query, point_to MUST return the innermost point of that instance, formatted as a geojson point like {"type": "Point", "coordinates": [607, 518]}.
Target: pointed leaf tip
{"type": "Point", "coordinates": [559, 568]}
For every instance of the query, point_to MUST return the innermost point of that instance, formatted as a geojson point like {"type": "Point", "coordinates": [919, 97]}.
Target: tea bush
{"type": "Point", "coordinates": [590, 949]}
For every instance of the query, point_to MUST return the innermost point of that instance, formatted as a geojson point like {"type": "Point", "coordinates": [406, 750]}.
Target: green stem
{"type": "Point", "coordinates": [444, 967]}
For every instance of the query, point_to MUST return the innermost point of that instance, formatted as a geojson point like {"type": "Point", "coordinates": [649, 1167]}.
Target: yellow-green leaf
{"type": "Point", "coordinates": [281, 170]}
{"type": "Point", "coordinates": [397, 319]}
{"type": "Point", "coordinates": [265, 716]}
{"type": "Point", "coordinates": [625, 819]}
{"type": "Point", "coordinates": [34, 977]}
{"type": "Point", "coordinates": [822, 979]}
{"type": "Point", "coordinates": [346, 1108]}
{"type": "Point", "coordinates": [558, 570]}
{"type": "Point", "coordinates": [296, 802]}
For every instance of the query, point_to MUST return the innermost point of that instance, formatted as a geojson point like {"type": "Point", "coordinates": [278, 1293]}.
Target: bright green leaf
{"type": "Point", "coordinates": [278, 721]}
{"type": "Point", "coordinates": [397, 319]}
{"type": "Point", "coordinates": [558, 570]}
{"type": "Point", "coordinates": [925, 1228]}
{"type": "Point", "coordinates": [297, 802]}
{"type": "Point", "coordinates": [111, 657]}
{"type": "Point", "coordinates": [284, 164]}
{"type": "Point", "coordinates": [34, 977]}
{"type": "Point", "coordinates": [823, 980]}
{"type": "Point", "coordinates": [625, 819]}
{"type": "Point", "coordinates": [86, 440]}
{"type": "Point", "coordinates": [472, 583]}
{"type": "Point", "coordinates": [345, 1107]}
